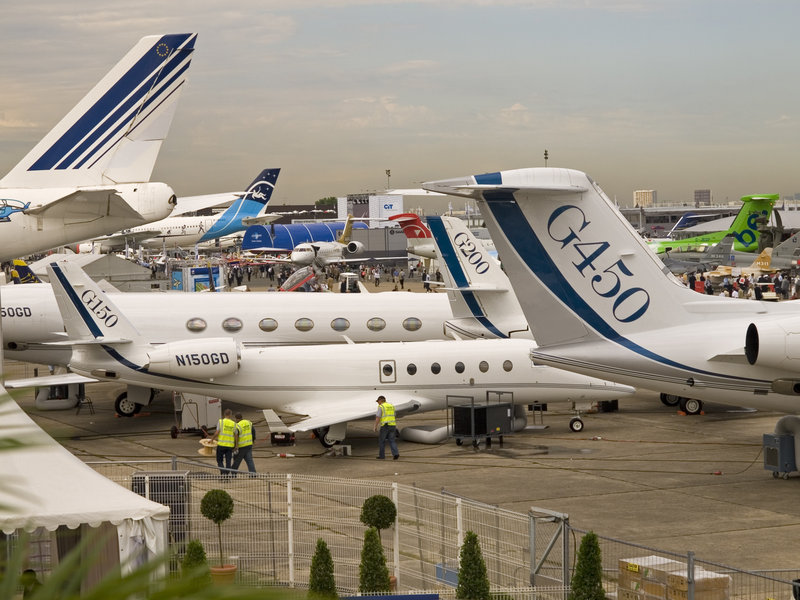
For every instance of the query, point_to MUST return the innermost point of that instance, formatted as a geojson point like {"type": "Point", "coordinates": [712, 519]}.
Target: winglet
{"type": "Point", "coordinates": [114, 133]}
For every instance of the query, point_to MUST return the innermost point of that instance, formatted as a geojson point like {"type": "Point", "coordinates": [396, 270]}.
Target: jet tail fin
{"type": "Point", "coordinates": [419, 239]}
{"type": "Point", "coordinates": [347, 231]}
{"type": "Point", "coordinates": [89, 315]}
{"type": "Point", "coordinates": [480, 294]}
{"type": "Point", "coordinates": [22, 273]}
{"type": "Point", "coordinates": [114, 134]}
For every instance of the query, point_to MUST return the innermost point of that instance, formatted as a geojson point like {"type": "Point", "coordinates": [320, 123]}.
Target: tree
{"type": "Point", "coordinates": [328, 201]}
{"type": "Point", "coordinates": [373, 576]}
{"type": "Point", "coordinates": [378, 511]}
{"type": "Point", "coordinates": [587, 580]}
{"type": "Point", "coordinates": [217, 505]}
{"type": "Point", "coordinates": [473, 582]}
{"type": "Point", "coordinates": [321, 583]}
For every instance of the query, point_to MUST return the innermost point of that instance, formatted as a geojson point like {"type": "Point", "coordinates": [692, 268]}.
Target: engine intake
{"type": "Point", "coordinates": [355, 247]}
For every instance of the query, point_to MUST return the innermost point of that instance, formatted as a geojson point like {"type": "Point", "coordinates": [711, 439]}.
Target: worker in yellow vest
{"type": "Point", "coordinates": [385, 420]}
{"type": "Point", "coordinates": [226, 441]}
{"type": "Point", "coordinates": [245, 434]}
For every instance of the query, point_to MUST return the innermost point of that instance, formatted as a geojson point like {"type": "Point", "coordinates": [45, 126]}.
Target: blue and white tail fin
{"type": "Point", "coordinates": [250, 204]}
{"type": "Point", "coordinates": [114, 133]}
{"type": "Point", "coordinates": [579, 269]}
{"type": "Point", "coordinates": [89, 316]}
{"type": "Point", "coordinates": [481, 298]}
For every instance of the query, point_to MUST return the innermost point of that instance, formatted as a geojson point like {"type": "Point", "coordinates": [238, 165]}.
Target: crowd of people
{"type": "Point", "coordinates": [755, 287]}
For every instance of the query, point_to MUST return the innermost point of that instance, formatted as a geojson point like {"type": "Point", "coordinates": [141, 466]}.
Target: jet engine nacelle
{"type": "Point", "coordinates": [355, 247]}
{"type": "Point", "coordinates": [774, 344]}
{"type": "Point", "coordinates": [200, 359]}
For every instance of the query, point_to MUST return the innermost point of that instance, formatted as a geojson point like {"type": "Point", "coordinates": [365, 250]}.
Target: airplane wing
{"type": "Point", "coordinates": [62, 379]}
{"type": "Point", "coordinates": [119, 239]}
{"type": "Point", "coordinates": [78, 204]}
{"type": "Point", "coordinates": [321, 410]}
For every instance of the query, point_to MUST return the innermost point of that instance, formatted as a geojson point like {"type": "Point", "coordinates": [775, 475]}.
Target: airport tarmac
{"type": "Point", "coordinates": [642, 474]}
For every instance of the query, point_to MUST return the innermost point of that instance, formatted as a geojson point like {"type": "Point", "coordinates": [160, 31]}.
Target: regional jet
{"type": "Point", "coordinates": [91, 174]}
{"type": "Point", "coordinates": [601, 303]}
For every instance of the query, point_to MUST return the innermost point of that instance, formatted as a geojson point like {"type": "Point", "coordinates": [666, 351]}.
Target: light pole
{"type": "Point", "coordinates": [388, 179]}
{"type": "Point", "coordinates": [545, 158]}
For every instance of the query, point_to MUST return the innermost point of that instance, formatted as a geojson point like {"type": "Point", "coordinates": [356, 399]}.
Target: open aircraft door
{"type": "Point", "coordinates": [387, 371]}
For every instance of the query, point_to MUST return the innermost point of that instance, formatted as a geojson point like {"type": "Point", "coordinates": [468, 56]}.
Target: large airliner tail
{"type": "Point", "coordinates": [114, 133]}
{"type": "Point", "coordinates": [481, 298]}
{"type": "Point", "coordinates": [251, 203]}
{"type": "Point", "coordinates": [579, 269]}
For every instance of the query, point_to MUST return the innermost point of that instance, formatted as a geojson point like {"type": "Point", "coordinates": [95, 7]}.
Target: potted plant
{"type": "Point", "coordinates": [194, 565]}
{"type": "Point", "coordinates": [217, 506]}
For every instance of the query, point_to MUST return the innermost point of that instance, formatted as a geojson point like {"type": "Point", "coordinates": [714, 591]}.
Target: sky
{"type": "Point", "coordinates": [671, 95]}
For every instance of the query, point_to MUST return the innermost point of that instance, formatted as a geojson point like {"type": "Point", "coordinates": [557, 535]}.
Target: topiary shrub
{"type": "Point", "coordinates": [473, 582]}
{"type": "Point", "coordinates": [587, 580]}
{"type": "Point", "coordinates": [195, 564]}
{"type": "Point", "coordinates": [373, 576]}
{"type": "Point", "coordinates": [321, 583]}
{"type": "Point", "coordinates": [378, 511]}
{"type": "Point", "coordinates": [217, 506]}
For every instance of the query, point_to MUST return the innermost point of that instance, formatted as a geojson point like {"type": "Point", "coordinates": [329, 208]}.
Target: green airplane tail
{"type": "Point", "coordinates": [756, 210]}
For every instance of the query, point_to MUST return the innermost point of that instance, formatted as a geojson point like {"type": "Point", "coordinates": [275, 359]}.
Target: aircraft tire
{"type": "Point", "coordinates": [576, 424]}
{"type": "Point", "coordinates": [670, 399]}
{"type": "Point", "coordinates": [691, 406]}
{"type": "Point", "coordinates": [124, 407]}
{"type": "Point", "coordinates": [322, 435]}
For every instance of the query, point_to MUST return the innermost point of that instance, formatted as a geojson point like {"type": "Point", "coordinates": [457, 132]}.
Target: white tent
{"type": "Point", "coordinates": [44, 486]}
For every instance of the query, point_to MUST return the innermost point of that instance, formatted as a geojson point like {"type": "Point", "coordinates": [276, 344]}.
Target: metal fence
{"type": "Point", "coordinates": [278, 518]}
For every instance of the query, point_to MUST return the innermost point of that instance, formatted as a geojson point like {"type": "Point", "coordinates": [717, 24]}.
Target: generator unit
{"type": "Point", "coordinates": [779, 454]}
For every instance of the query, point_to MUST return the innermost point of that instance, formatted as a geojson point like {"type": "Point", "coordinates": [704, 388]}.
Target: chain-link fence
{"type": "Point", "coordinates": [278, 518]}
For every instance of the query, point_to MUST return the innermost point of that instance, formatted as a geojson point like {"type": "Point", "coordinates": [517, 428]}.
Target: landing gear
{"type": "Point", "coordinates": [321, 433]}
{"type": "Point", "coordinates": [576, 424]}
{"type": "Point", "coordinates": [691, 406]}
{"type": "Point", "coordinates": [126, 407]}
{"type": "Point", "coordinates": [670, 399]}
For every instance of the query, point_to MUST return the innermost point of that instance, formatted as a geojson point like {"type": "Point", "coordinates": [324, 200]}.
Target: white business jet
{"type": "Point", "coordinates": [340, 386]}
{"type": "Point", "coordinates": [180, 230]}
{"type": "Point", "coordinates": [90, 175]}
{"type": "Point", "coordinates": [599, 301]}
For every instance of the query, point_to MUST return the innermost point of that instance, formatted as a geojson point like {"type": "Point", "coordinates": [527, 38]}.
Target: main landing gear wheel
{"type": "Point", "coordinates": [576, 424]}
{"type": "Point", "coordinates": [691, 406]}
{"type": "Point", "coordinates": [321, 434]}
{"type": "Point", "coordinates": [670, 399]}
{"type": "Point", "coordinates": [125, 407]}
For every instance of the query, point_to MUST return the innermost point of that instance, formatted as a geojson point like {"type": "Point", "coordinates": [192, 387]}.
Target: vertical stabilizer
{"type": "Point", "coordinates": [347, 231]}
{"type": "Point", "coordinates": [756, 210]}
{"type": "Point", "coordinates": [114, 133]}
{"type": "Point", "coordinates": [419, 239]}
{"type": "Point", "coordinates": [481, 298]}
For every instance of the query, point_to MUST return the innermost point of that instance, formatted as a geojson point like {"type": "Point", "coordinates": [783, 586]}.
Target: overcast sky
{"type": "Point", "coordinates": [672, 95]}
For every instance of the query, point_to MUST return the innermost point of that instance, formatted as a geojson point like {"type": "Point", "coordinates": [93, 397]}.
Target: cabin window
{"type": "Point", "coordinates": [507, 365]}
{"type": "Point", "coordinates": [304, 324]}
{"type": "Point", "coordinates": [387, 370]}
{"type": "Point", "coordinates": [232, 324]}
{"type": "Point", "coordinates": [436, 368]}
{"type": "Point", "coordinates": [412, 324]}
{"type": "Point", "coordinates": [483, 366]}
{"type": "Point", "coordinates": [196, 324]}
{"type": "Point", "coordinates": [411, 369]}
{"type": "Point", "coordinates": [376, 324]}
{"type": "Point", "coordinates": [267, 324]}
{"type": "Point", "coordinates": [340, 324]}
{"type": "Point", "coordinates": [459, 367]}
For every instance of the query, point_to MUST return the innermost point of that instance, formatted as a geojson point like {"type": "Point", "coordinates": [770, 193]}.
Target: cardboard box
{"type": "Point", "coordinates": [709, 594]}
{"type": "Point", "coordinates": [623, 594]}
{"type": "Point", "coordinates": [654, 568]}
{"type": "Point", "coordinates": [703, 580]}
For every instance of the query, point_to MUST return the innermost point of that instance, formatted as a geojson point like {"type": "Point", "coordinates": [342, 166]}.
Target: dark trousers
{"type": "Point", "coordinates": [224, 455]}
{"type": "Point", "coordinates": [387, 432]}
{"type": "Point", "coordinates": [245, 454]}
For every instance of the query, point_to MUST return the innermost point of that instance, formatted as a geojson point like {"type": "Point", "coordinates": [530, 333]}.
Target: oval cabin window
{"type": "Point", "coordinates": [507, 365]}
{"type": "Point", "coordinates": [376, 324]}
{"type": "Point", "coordinates": [412, 324]}
{"type": "Point", "coordinates": [436, 368]}
{"type": "Point", "coordinates": [411, 369]}
{"type": "Point", "coordinates": [459, 367]}
{"type": "Point", "coordinates": [232, 324]}
{"type": "Point", "coordinates": [267, 324]}
{"type": "Point", "coordinates": [483, 366]}
{"type": "Point", "coordinates": [304, 324]}
{"type": "Point", "coordinates": [196, 324]}
{"type": "Point", "coordinates": [340, 324]}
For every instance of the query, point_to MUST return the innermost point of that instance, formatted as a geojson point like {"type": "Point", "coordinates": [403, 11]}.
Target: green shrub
{"type": "Point", "coordinates": [378, 511]}
{"type": "Point", "coordinates": [473, 582]}
{"type": "Point", "coordinates": [195, 564]}
{"type": "Point", "coordinates": [587, 580]}
{"type": "Point", "coordinates": [321, 583]}
{"type": "Point", "coordinates": [373, 576]}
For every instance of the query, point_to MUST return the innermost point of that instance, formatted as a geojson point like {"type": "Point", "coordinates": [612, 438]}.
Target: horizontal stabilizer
{"type": "Point", "coordinates": [62, 379]}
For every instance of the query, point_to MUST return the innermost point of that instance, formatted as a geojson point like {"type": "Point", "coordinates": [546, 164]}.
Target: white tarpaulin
{"type": "Point", "coordinates": [43, 485]}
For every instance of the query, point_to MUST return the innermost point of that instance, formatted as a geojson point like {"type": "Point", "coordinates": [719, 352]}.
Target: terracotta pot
{"type": "Point", "coordinates": [224, 575]}
{"type": "Point", "coordinates": [393, 583]}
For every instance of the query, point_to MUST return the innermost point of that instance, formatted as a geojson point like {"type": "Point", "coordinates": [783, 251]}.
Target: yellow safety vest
{"type": "Point", "coordinates": [225, 437]}
{"type": "Point", "coordinates": [245, 428]}
{"type": "Point", "coordinates": [387, 414]}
